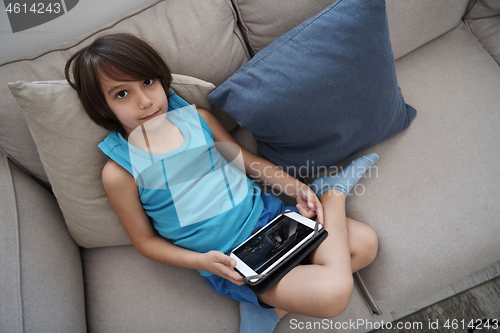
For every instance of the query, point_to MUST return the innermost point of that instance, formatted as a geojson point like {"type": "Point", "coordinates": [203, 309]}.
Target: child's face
{"type": "Point", "coordinates": [135, 102]}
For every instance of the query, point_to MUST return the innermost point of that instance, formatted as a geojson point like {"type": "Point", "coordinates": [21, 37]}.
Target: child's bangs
{"type": "Point", "coordinates": [126, 71]}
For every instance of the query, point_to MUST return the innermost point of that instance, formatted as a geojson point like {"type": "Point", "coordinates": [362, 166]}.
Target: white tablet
{"type": "Point", "coordinates": [273, 244]}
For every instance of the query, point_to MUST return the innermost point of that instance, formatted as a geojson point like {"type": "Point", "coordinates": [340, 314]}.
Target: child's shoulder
{"type": "Point", "coordinates": [204, 113]}
{"type": "Point", "coordinates": [218, 131]}
{"type": "Point", "coordinates": [113, 175]}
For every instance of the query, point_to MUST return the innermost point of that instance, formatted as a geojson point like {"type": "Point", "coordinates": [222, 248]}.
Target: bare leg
{"type": "Point", "coordinates": [363, 244]}
{"type": "Point", "coordinates": [322, 289]}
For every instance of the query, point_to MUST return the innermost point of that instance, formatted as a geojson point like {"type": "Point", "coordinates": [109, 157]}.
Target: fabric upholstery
{"type": "Point", "coordinates": [483, 18]}
{"type": "Point", "coordinates": [433, 197]}
{"type": "Point", "coordinates": [262, 21]}
{"type": "Point", "coordinates": [199, 39]}
{"type": "Point", "coordinates": [487, 31]}
{"type": "Point", "coordinates": [322, 92]}
{"type": "Point", "coordinates": [41, 279]}
{"type": "Point", "coordinates": [74, 164]}
{"type": "Point", "coordinates": [478, 9]}
{"type": "Point", "coordinates": [166, 298]}
{"type": "Point", "coordinates": [11, 305]}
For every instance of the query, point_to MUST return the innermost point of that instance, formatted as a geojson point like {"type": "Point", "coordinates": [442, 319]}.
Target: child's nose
{"type": "Point", "coordinates": [144, 101]}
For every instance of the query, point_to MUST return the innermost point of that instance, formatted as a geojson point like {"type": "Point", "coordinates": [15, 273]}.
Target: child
{"type": "Point", "coordinates": [163, 162]}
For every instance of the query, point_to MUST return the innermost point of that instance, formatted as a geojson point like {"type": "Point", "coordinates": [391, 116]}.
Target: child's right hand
{"type": "Point", "coordinates": [218, 263]}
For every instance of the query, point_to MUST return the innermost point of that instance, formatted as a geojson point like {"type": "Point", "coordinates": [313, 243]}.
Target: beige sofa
{"type": "Point", "coordinates": [67, 265]}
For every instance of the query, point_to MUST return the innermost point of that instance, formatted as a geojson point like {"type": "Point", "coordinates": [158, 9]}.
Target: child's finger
{"type": "Point", "coordinates": [228, 269]}
{"type": "Point", "coordinates": [302, 210]}
{"type": "Point", "coordinates": [237, 282]}
{"type": "Point", "coordinates": [236, 278]}
{"type": "Point", "coordinates": [319, 212]}
{"type": "Point", "coordinates": [232, 275]}
{"type": "Point", "coordinates": [312, 200]}
{"type": "Point", "coordinates": [225, 260]}
{"type": "Point", "coordinates": [306, 212]}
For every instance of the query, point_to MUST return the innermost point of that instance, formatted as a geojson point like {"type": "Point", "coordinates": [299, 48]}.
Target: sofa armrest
{"type": "Point", "coordinates": [41, 279]}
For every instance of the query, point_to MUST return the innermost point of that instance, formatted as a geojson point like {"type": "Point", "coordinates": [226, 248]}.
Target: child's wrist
{"type": "Point", "coordinates": [201, 262]}
{"type": "Point", "coordinates": [301, 188]}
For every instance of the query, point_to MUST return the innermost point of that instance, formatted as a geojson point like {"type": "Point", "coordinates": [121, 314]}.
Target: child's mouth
{"type": "Point", "coordinates": [151, 116]}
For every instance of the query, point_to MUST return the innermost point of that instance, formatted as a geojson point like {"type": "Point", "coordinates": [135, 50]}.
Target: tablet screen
{"type": "Point", "coordinates": [271, 243]}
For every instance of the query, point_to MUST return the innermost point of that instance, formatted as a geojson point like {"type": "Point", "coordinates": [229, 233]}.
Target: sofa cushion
{"type": "Point", "coordinates": [262, 21]}
{"type": "Point", "coordinates": [197, 38]}
{"type": "Point", "coordinates": [323, 91]}
{"type": "Point", "coordinates": [483, 18]}
{"type": "Point", "coordinates": [478, 9]}
{"type": "Point", "coordinates": [411, 23]}
{"type": "Point", "coordinates": [67, 141]}
{"type": "Point", "coordinates": [433, 195]}
{"type": "Point", "coordinates": [126, 292]}
{"type": "Point", "coordinates": [41, 278]}
{"type": "Point", "coordinates": [487, 31]}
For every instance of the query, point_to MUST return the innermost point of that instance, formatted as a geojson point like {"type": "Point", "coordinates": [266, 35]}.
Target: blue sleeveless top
{"type": "Point", "coordinates": [193, 195]}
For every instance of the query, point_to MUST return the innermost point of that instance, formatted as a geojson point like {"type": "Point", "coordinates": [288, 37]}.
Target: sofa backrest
{"type": "Point", "coordinates": [482, 19]}
{"type": "Point", "coordinates": [412, 23]}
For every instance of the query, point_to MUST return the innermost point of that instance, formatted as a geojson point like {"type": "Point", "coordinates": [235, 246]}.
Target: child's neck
{"type": "Point", "coordinates": [160, 140]}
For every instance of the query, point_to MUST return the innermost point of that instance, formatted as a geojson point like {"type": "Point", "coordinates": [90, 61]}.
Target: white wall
{"type": "Point", "coordinates": [86, 16]}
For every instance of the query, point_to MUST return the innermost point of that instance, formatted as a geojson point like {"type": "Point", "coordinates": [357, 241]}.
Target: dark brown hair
{"type": "Point", "coordinates": [121, 57]}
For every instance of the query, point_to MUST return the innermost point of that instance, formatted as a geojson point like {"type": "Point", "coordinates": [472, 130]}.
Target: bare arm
{"type": "Point", "coordinates": [123, 195]}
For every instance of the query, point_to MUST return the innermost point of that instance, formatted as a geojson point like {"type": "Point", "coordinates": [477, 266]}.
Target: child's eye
{"type": "Point", "coordinates": [148, 82]}
{"type": "Point", "coordinates": [121, 94]}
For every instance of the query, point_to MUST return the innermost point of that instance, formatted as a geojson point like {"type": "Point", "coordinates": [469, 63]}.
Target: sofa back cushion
{"type": "Point", "coordinates": [411, 23]}
{"type": "Point", "coordinates": [479, 9]}
{"type": "Point", "coordinates": [197, 38]}
{"type": "Point", "coordinates": [483, 19]}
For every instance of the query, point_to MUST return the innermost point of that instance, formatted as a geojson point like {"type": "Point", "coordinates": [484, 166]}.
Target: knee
{"type": "Point", "coordinates": [370, 245]}
{"type": "Point", "coordinates": [366, 245]}
{"type": "Point", "coordinates": [336, 297]}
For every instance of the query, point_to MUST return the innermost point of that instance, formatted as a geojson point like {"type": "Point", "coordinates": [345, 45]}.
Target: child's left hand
{"type": "Point", "coordinates": [309, 205]}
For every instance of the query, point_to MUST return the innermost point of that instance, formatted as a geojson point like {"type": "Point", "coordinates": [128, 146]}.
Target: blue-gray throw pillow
{"type": "Point", "coordinates": [322, 92]}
